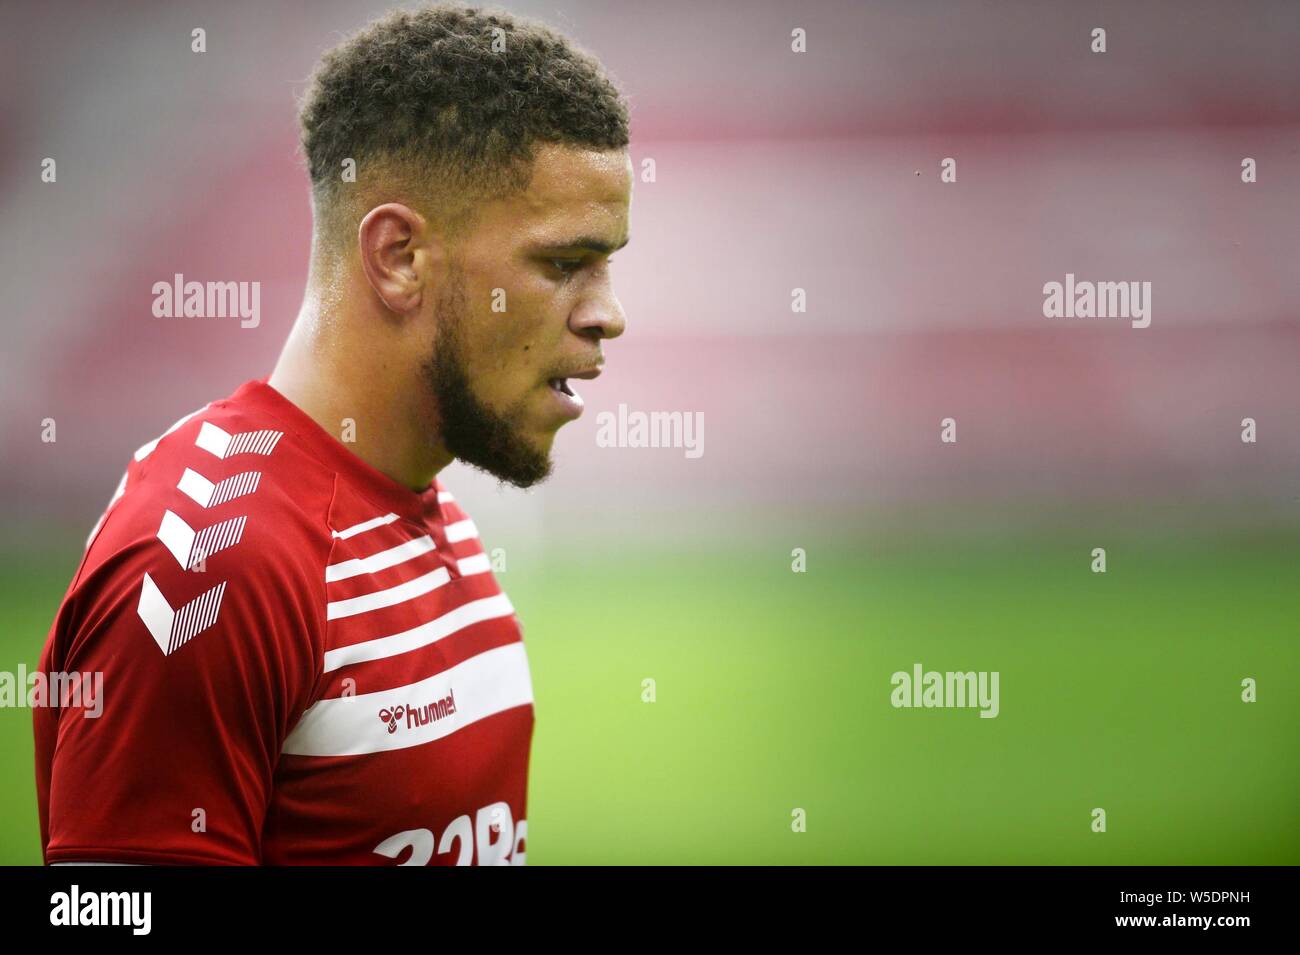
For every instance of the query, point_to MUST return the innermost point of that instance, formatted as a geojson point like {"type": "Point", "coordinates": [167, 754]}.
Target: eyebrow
{"type": "Point", "coordinates": [588, 243]}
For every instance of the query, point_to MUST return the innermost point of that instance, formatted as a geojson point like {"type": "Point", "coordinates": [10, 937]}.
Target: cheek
{"type": "Point", "coordinates": [523, 339]}
{"type": "Point", "coordinates": [506, 360]}
{"type": "Point", "coordinates": [515, 336]}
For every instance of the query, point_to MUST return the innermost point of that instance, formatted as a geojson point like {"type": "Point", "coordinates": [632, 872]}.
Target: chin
{"type": "Point", "coordinates": [526, 469]}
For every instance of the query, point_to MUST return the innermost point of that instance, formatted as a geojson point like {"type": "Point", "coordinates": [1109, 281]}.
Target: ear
{"type": "Point", "coordinates": [391, 241]}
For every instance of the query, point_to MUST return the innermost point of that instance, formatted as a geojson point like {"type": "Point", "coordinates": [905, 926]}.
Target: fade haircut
{"type": "Point", "coordinates": [441, 108]}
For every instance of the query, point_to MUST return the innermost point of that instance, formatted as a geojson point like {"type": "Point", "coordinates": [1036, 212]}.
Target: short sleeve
{"type": "Point", "coordinates": [190, 680]}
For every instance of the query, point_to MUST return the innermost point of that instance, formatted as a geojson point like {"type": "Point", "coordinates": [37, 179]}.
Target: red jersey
{"type": "Point", "coordinates": [304, 662]}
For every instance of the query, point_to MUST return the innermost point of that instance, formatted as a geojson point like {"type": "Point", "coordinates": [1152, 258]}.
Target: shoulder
{"type": "Point", "coordinates": [229, 465]}
{"type": "Point", "coordinates": [226, 515]}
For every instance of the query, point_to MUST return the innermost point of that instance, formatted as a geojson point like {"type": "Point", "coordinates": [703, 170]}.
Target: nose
{"type": "Point", "coordinates": [598, 316]}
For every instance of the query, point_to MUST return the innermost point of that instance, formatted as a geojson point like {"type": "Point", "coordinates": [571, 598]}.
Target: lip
{"type": "Point", "coordinates": [570, 406]}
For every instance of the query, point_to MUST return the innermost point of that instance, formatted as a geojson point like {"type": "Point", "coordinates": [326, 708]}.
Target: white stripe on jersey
{"type": "Point", "coordinates": [453, 621]}
{"type": "Point", "coordinates": [407, 590]}
{"type": "Point", "coordinates": [461, 531]}
{"type": "Point", "coordinates": [484, 685]}
{"type": "Point", "coordinates": [476, 564]}
{"type": "Point", "coordinates": [364, 526]}
{"type": "Point", "coordinates": [380, 561]}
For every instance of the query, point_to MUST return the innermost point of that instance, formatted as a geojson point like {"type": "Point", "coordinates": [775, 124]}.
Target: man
{"type": "Point", "coordinates": [305, 655]}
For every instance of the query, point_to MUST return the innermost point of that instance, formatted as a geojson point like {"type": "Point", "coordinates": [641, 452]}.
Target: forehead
{"type": "Point", "coordinates": [571, 189]}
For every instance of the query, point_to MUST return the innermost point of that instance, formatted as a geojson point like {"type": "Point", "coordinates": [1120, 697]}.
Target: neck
{"type": "Point", "coordinates": [337, 376]}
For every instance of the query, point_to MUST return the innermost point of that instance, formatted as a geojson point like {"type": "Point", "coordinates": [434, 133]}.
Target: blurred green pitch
{"type": "Point", "coordinates": [1119, 691]}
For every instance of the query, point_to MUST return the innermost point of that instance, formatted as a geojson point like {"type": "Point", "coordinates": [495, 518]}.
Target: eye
{"type": "Point", "coordinates": [567, 266]}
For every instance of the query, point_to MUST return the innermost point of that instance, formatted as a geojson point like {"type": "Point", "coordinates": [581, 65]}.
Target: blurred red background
{"type": "Point", "coordinates": [774, 170]}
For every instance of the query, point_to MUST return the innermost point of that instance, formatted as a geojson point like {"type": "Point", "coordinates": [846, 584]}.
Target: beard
{"type": "Point", "coordinates": [471, 431]}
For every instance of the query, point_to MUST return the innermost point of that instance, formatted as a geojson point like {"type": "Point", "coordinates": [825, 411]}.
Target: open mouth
{"type": "Point", "coordinates": [567, 402]}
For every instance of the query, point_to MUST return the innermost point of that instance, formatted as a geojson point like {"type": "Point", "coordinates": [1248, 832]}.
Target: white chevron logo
{"type": "Point", "coordinates": [225, 445]}
{"type": "Point", "coordinates": [172, 629]}
{"type": "Point", "coordinates": [189, 547]}
{"type": "Point", "coordinates": [206, 494]}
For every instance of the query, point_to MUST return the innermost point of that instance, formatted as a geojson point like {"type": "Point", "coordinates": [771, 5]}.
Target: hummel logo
{"type": "Point", "coordinates": [172, 629]}
{"type": "Point", "coordinates": [206, 494]}
{"type": "Point", "coordinates": [426, 714]}
{"type": "Point", "coordinates": [225, 445]}
{"type": "Point", "coordinates": [189, 548]}
{"type": "Point", "coordinates": [391, 717]}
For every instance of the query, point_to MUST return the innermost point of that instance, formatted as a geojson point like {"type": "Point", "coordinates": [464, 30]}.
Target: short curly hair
{"type": "Point", "coordinates": [445, 104]}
